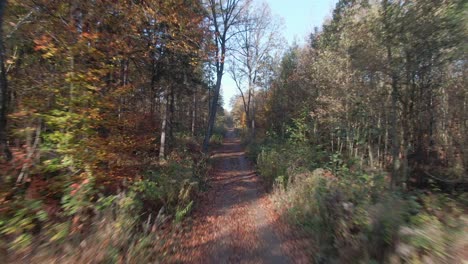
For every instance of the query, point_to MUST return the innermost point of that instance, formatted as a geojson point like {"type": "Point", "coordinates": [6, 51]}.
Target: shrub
{"type": "Point", "coordinates": [280, 160]}
{"type": "Point", "coordinates": [98, 228]}
{"type": "Point", "coordinates": [216, 139]}
{"type": "Point", "coordinates": [270, 166]}
{"type": "Point", "coordinates": [22, 219]}
{"type": "Point", "coordinates": [354, 217]}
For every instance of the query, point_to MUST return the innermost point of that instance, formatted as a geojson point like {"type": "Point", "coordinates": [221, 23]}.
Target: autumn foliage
{"type": "Point", "coordinates": [91, 84]}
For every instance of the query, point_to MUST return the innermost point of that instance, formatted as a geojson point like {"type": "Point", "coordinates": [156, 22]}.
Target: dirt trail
{"type": "Point", "coordinates": [236, 222]}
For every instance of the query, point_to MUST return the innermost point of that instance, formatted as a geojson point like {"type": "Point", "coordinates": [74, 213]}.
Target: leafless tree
{"type": "Point", "coordinates": [257, 41]}
{"type": "Point", "coordinates": [225, 16]}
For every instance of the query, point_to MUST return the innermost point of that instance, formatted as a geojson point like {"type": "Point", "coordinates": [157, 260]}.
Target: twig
{"type": "Point", "coordinates": [20, 22]}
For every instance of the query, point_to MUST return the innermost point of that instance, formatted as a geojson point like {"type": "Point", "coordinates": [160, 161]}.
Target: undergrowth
{"type": "Point", "coordinates": [93, 224]}
{"type": "Point", "coordinates": [352, 215]}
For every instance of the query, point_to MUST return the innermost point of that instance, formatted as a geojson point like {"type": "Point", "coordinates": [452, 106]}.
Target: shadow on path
{"type": "Point", "coordinates": [233, 223]}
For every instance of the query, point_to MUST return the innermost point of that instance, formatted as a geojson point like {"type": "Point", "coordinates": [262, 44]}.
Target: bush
{"type": "Point", "coordinates": [371, 223]}
{"type": "Point", "coordinates": [21, 220]}
{"type": "Point", "coordinates": [98, 228]}
{"type": "Point", "coordinates": [217, 137]}
{"type": "Point", "coordinates": [270, 166]}
{"type": "Point", "coordinates": [353, 216]}
{"type": "Point", "coordinates": [277, 161]}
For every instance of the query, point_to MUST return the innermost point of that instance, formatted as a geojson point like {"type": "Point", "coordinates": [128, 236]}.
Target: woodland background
{"type": "Point", "coordinates": [108, 109]}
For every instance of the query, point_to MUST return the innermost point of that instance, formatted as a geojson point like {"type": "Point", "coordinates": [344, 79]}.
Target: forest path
{"type": "Point", "coordinates": [235, 222]}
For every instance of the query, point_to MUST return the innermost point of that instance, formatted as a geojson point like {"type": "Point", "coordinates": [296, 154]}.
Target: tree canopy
{"type": "Point", "coordinates": [110, 111]}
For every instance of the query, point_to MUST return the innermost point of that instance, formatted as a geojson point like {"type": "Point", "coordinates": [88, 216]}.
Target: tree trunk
{"type": "Point", "coordinates": [394, 130]}
{"type": "Point", "coordinates": [253, 114]}
{"type": "Point", "coordinates": [170, 120]}
{"type": "Point", "coordinates": [162, 145]}
{"type": "Point", "coordinates": [213, 108]}
{"type": "Point", "coordinates": [3, 92]}
{"type": "Point", "coordinates": [194, 111]}
{"type": "Point", "coordinates": [394, 96]}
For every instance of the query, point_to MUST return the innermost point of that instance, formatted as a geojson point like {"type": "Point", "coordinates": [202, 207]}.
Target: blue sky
{"type": "Point", "coordinates": [300, 17]}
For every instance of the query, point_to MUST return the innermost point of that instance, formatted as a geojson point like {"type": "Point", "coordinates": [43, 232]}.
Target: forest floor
{"type": "Point", "coordinates": [236, 221]}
